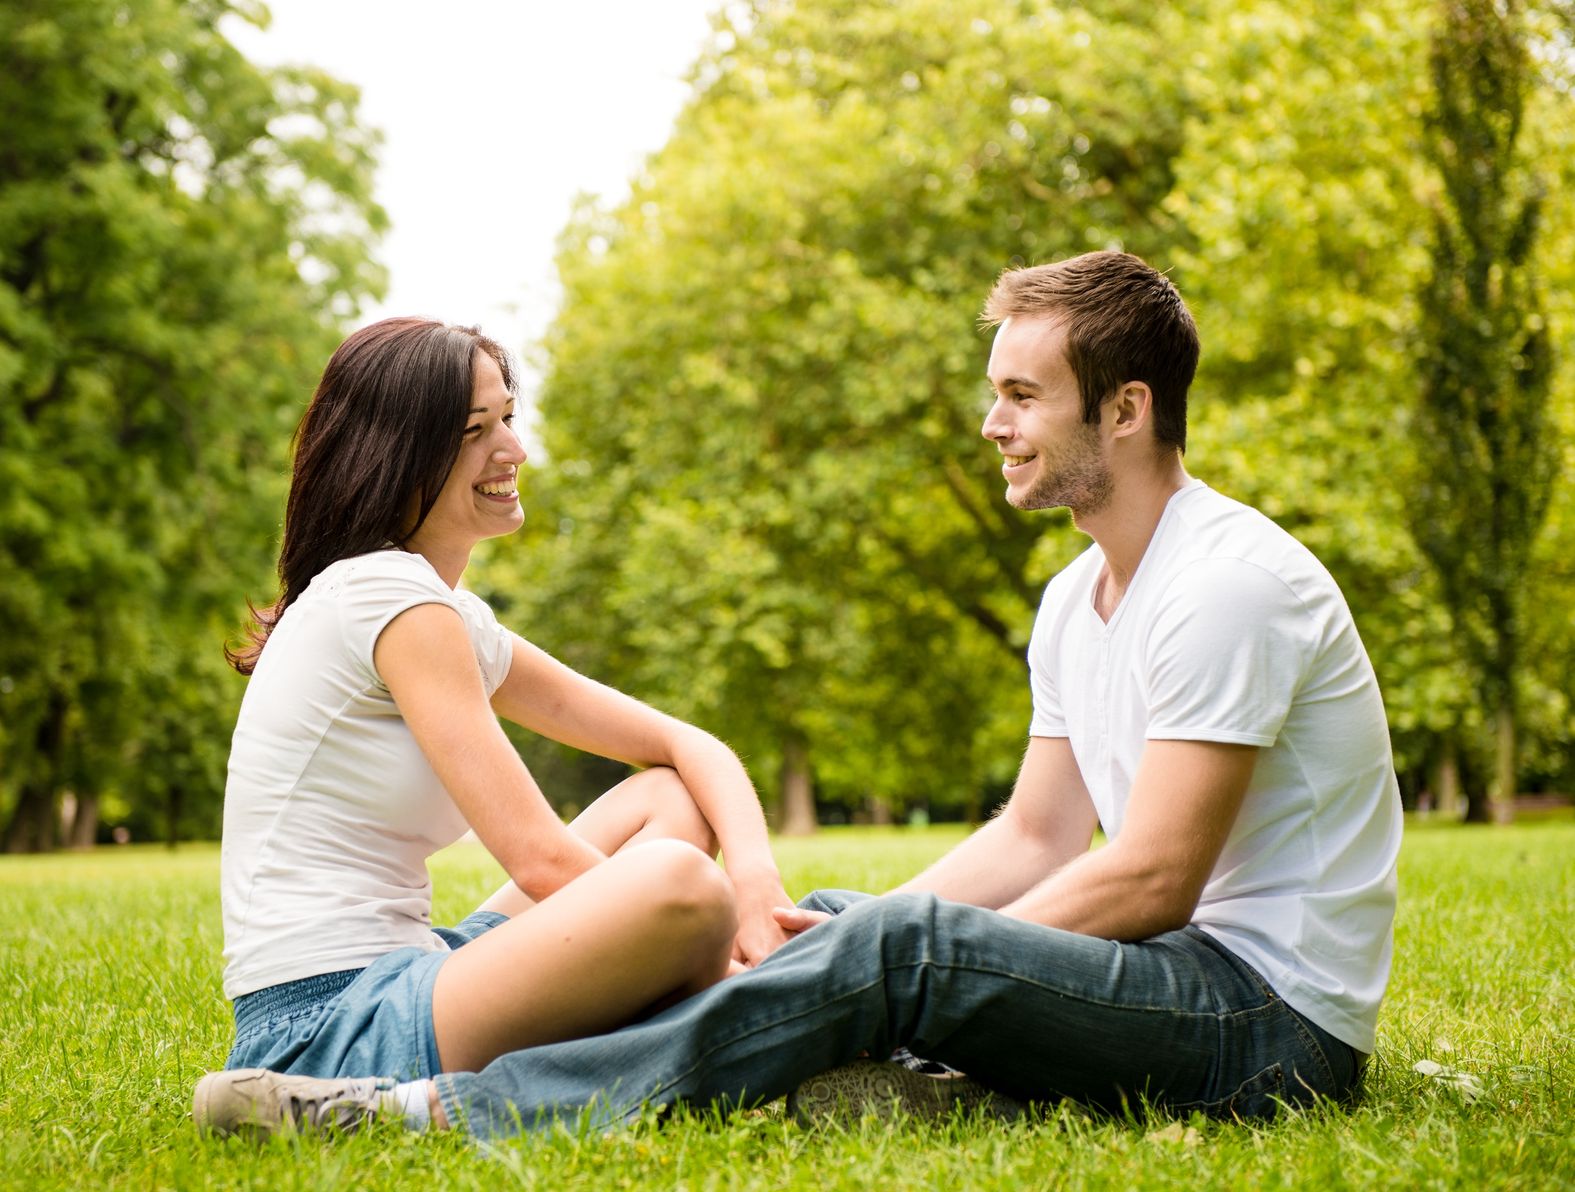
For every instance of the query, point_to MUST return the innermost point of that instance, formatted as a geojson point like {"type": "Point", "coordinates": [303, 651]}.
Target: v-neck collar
{"type": "Point", "coordinates": [1107, 627]}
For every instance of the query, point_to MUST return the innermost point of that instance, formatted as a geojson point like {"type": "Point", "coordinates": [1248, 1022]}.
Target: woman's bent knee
{"type": "Point", "coordinates": [685, 887]}
{"type": "Point", "coordinates": [670, 802]}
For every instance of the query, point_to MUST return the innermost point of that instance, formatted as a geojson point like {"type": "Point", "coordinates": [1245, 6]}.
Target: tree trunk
{"type": "Point", "coordinates": [973, 808]}
{"type": "Point", "coordinates": [798, 792]}
{"type": "Point", "coordinates": [32, 828]}
{"type": "Point", "coordinates": [1504, 768]}
{"type": "Point", "coordinates": [1446, 785]}
{"type": "Point", "coordinates": [174, 800]}
{"type": "Point", "coordinates": [1478, 804]}
{"type": "Point", "coordinates": [84, 824]}
{"type": "Point", "coordinates": [880, 811]}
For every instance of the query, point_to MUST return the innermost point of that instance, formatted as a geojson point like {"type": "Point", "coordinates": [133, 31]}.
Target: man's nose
{"type": "Point", "coordinates": [995, 427]}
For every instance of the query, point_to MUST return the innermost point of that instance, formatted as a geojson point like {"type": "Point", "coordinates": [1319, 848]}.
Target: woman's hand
{"type": "Point", "coordinates": [759, 933]}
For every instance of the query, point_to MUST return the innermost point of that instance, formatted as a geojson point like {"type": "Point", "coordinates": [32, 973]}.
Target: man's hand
{"type": "Point", "coordinates": [795, 920]}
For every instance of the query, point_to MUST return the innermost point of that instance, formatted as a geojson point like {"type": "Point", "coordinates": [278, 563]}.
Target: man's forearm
{"type": "Point", "coordinates": [1110, 893]}
{"type": "Point", "coordinates": [994, 866]}
{"type": "Point", "coordinates": [1149, 878]}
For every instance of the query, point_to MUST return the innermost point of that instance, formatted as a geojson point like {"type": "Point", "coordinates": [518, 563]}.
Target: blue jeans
{"type": "Point", "coordinates": [1034, 1012]}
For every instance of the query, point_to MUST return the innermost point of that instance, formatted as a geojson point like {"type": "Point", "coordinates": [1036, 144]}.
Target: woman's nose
{"type": "Point", "coordinates": [511, 450]}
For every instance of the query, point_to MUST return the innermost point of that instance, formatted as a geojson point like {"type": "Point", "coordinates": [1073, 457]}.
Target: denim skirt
{"type": "Point", "coordinates": [373, 1021]}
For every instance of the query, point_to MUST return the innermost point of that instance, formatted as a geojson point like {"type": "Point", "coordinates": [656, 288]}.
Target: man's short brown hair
{"type": "Point", "coordinates": [1124, 322]}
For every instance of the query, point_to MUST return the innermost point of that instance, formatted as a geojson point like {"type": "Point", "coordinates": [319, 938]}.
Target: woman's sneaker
{"type": "Point", "coordinates": [880, 1087]}
{"type": "Point", "coordinates": [258, 1102]}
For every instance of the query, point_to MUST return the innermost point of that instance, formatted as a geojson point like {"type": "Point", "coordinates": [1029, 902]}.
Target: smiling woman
{"type": "Point", "coordinates": [480, 497]}
{"type": "Point", "coordinates": [369, 738]}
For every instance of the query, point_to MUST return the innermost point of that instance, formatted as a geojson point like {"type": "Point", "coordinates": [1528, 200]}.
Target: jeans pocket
{"type": "Point", "coordinates": [1256, 1097]}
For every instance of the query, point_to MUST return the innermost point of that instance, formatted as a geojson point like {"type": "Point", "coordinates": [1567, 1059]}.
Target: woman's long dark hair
{"type": "Point", "coordinates": [372, 452]}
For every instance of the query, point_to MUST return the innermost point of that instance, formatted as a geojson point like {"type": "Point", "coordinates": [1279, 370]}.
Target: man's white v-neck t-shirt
{"type": "Point", "coordinates": [1231, 631]}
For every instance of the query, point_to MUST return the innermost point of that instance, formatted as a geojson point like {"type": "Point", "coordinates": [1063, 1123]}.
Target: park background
{"type": "Point", "coordinates": [760, 500]}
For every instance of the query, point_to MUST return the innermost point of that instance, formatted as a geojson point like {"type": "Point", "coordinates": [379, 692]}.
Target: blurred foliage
{"type": "Point", "coordinates": [183, 236]}
{"type": "Point", "coordinates": [1484, 355]}
{"type": "Point", "coordinates": [765, 505]}
{"type": "Point", "coordinates": [771, 510]}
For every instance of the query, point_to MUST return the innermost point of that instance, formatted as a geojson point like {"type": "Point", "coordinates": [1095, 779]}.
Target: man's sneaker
{"type": "Point", "coordinates": [879, 1087]}
{"type": "Point", "coordinates": [258, 1102]}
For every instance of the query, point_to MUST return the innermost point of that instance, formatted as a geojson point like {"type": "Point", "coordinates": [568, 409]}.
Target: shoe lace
{"type": "Point", "coordinates": [345, 1109]}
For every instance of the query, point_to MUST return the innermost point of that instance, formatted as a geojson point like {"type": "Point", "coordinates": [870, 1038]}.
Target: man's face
{"type": "Point", "coordinates": [1052, 457]}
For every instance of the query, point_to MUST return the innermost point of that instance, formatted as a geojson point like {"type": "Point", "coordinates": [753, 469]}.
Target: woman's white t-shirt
{"type": "Point", "coordinates": [1231, 631]}
{"type": "Point", "coordinates": [331, 809]}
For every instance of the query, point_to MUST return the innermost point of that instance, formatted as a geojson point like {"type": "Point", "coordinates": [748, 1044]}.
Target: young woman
{"type": "Point", "coordinates": [368, 739]}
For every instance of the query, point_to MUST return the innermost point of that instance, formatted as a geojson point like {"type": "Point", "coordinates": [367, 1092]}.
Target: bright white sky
{"type": "Point", "coordinates": [495, 114]}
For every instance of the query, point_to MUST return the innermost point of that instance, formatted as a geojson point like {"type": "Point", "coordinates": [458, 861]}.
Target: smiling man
{"type": "Point", "coordinates": [1199, 692]}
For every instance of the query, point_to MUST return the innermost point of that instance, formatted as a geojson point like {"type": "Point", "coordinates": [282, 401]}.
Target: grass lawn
{"type": "Point", "coordinates": [110, 1010]}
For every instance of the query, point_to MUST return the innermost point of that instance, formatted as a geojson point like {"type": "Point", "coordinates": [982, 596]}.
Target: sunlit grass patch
{"type": "Point", "coordinates": [110, 1009]}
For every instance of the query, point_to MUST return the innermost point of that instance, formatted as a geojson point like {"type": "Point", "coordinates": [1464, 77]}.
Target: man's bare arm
{"type": "Point", "coordinates": [1148, 879]}
{"type": "Point", "coordinates": [1048, 821]}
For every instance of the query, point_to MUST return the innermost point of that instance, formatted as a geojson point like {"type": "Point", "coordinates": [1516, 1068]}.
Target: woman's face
{"type": "Point", "coordinates": [480, 498]}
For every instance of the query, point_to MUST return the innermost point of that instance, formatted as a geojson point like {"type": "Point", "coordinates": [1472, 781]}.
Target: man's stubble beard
{"type": "Point", "coordinates": [1078, 478]}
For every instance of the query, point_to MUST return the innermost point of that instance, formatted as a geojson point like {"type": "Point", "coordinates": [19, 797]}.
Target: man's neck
{"type": "Point", "coordinates": [1125, 525]}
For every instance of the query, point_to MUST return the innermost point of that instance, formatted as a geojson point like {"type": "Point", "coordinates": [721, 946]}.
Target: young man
{"type": "Point", "coordinates": [1199, 691]}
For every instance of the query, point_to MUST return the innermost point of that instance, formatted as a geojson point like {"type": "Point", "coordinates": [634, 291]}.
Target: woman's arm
{"type": "Point", "coordinates": [425, 657]}
{"type": "Point", "coordinates": [549, 698]}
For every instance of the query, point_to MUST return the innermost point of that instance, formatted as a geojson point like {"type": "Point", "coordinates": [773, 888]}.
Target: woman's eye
{"type": "Point", "coordinates": [472, 430]}
{"type": "Point", "coordinates": [508, 420]}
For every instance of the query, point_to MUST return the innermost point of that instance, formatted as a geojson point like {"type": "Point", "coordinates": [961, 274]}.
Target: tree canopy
{"type": "Point", "coordinates": [182, 237]}
{"type": "Point", "coordinates": [768, 506]}
{"type": "Point", "coordinates": [765, 504]}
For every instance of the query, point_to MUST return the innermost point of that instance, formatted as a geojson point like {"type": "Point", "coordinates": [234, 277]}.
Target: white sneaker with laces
{"type": "Point", "coordinates": [258, 1102]}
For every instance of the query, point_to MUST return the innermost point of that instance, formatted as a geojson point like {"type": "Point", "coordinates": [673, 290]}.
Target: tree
{"type": "Point", "coordinates": [1303, 270]}
{"type": "Point", "coordinates": [182, 235]}
{"type": "Point", "coordinates": [1309, 247]}
{"type": "Point", "coordinates": [767, 506]}
{"type": "Point", "coordinates": [1483, 432]}
{"type": "Point", "coordinates": [772, 510]}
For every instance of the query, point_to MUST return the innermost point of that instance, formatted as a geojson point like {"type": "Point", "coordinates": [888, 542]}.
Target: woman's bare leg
{"type": "Point", "coordinates": [656, 920]}
{"type": "Point", "coordinates": [651, 805]}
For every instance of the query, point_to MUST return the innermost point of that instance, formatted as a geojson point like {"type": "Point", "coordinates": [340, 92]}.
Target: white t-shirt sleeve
{"type": "Point", "coordinates": [1225, 655]}
{"type": "Point", "coordinates": [493, 643]}
{"type": "Point", "coordinates": [376, 591]}
{"type": "Point", "coordinates": [1048, 719]}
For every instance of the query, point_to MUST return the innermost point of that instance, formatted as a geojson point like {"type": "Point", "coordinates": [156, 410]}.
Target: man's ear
{"type": "Point", "coordinates": [1128, 411]}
